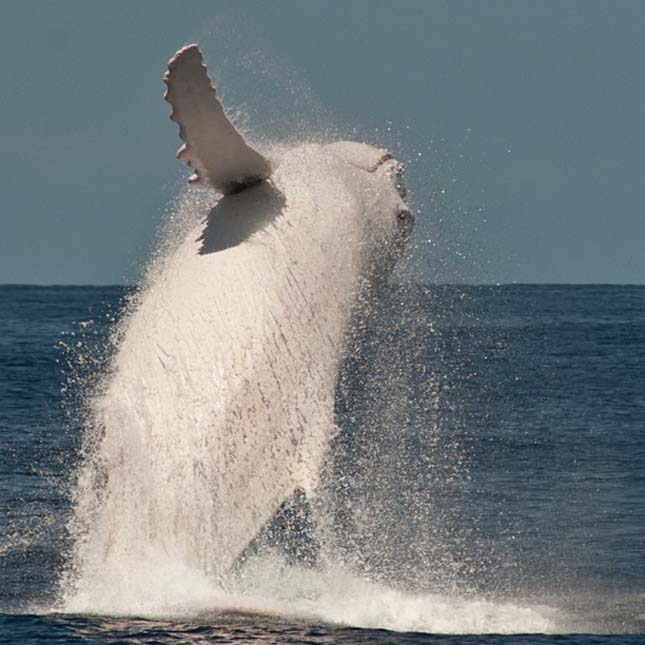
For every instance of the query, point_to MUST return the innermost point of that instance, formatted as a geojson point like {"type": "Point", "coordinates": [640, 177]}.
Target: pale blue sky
{"type": "Point", "coordinates": [522, 124]}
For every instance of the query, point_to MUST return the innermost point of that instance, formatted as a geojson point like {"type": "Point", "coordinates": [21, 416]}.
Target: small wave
{"type": "Point", "coordinates": [342, 598]}
{"type": "Point", "coordinates": [267, 587]}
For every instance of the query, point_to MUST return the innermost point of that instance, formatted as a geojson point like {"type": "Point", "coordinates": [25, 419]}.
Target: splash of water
{"type": "Point", "coordinates": [219, 405]}
{"type": "Point", "coordinates": [270, 586]}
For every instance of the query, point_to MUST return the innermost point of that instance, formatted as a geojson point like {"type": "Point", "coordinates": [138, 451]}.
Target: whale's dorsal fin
{"type": "Point", "coordinates": [213, 147]}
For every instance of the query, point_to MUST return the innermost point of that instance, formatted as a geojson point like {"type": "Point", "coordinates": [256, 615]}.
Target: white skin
{"type": "Point", "coordinates": [220, 401]}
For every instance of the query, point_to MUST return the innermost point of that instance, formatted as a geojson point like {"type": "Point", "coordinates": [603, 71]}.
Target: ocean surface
{"type": "Point", "coordinates": [487, 482]}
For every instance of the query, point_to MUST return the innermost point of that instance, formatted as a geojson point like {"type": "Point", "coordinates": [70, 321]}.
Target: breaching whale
{"type": "Point", "coordinates": [219, 404]}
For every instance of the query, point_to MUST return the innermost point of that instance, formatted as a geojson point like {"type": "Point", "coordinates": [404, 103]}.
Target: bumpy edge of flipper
{"type": "Point", "coordinates": [213, 147]}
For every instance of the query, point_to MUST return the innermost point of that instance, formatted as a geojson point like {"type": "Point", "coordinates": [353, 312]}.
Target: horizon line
{"type": "Point", "coordinates": [123, 285]}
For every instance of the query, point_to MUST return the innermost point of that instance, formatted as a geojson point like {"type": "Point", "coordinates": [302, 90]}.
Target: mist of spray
{"type": "Point", "coordinates": [187, 455]}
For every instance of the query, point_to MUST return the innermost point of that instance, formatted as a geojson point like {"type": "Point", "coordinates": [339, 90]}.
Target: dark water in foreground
{"type": "Point", "coordinates": [495, 435]}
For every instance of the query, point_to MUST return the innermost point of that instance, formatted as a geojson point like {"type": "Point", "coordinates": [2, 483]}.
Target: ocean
{"type": "Point", "coordinates": [486, 483]}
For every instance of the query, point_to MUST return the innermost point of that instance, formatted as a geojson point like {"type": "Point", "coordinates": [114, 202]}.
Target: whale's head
{"type": "Point", "coordinates": [387, 210]}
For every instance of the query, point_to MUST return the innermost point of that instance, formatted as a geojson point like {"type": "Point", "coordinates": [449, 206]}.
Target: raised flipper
{"type": "Point", "coordinates": [213, 147]}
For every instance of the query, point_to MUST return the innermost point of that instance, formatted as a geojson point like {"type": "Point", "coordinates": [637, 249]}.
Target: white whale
{"type": "Point", "coordinates": [219, 403]}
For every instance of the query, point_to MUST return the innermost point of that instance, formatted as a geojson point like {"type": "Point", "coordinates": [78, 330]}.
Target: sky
{"type": "Point", "coordinates": [520, 122]}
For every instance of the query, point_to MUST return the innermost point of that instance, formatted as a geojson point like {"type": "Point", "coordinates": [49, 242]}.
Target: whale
{"type": "Point", "coordinates": [218, 406]}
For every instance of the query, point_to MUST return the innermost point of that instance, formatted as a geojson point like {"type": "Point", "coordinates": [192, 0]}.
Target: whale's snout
{"type": "Point", "coordinates": [398, 172]}
{"type": "Point", "coordinates": [394, 171]}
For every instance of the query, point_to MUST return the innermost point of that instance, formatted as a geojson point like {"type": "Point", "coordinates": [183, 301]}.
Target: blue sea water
{"type": "Point", "coordinates": [495, 435]}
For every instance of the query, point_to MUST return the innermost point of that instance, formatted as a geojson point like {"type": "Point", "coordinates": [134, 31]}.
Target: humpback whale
{"type": "Point", "coordinates": [219, 404]}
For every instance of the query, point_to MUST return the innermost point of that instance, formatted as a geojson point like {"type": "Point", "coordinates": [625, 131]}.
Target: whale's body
{"type": "Point", "coordinates": [219, 405]}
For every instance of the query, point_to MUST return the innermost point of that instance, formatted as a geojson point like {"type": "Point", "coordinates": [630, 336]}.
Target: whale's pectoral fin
{"type": "Point", "coordinates": [213, 146]}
